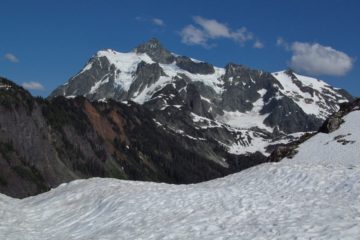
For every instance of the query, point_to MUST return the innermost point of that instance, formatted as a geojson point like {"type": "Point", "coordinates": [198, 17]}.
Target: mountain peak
{"type": "Point", "coordinates": [289, 72]}
{"type": "Point", "coordinates": [152, 43]}
{"type": "Point", "coordinates": [156, 51]}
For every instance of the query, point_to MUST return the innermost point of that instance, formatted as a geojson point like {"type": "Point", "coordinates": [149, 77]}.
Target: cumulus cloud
{"type": "Point", "coordinates": [158, 22]}
{"type": "Point", "coordinates": [258, 44]}
{"type": "Point", "coordinates": [316, 59]}
{"type": "Point", "coordinates": [32, 86]}
{"type": "Point", "coordinates": [206, 29]}
{"type": "Point", "coordinates": [11, 58]}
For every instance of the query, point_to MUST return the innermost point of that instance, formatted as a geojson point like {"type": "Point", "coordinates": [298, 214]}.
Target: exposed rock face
{"type": "Point", "coordinates": [242, 86]}
{"type": "Point", "coordinates": [146, 75]}
{"type": "Point", "coordinates": [194, 67]}
{"type": "Point", "coordinates": [156, 51]}
{"type": "Point", "coordinates": [287, 150]}
{"type": "Point", "coordinates": [289, 117]}
{"type": "Point", "coordinates": [83, 82]}
{"type": "Point", "coordinates": [335, 120]}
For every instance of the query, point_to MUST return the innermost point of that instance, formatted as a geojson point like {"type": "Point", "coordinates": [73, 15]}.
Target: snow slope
{"type": "Point", "coordinates": [339, 148]}
{"type": "Point", "coordinates": [315, 195]}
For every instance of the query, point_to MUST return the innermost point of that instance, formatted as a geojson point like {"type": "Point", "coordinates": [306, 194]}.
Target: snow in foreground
{"type": "Point", "coordinates": [315, 198]}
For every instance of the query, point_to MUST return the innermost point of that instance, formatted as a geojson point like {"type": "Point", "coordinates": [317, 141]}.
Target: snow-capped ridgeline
{"type": "Point", "coordinates": [315, 195]}
{"type": "Point", "coordinates": [126, 65]}
{"type": "Point", "coordinates": [313, 101]}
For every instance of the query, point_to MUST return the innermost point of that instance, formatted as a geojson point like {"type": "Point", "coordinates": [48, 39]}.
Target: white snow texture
{"type": "Point", "coordinates": [315, 195]}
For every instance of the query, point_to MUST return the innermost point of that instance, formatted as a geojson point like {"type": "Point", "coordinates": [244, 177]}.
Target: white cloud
{"type": "Point", "coordinates": [316, 59]}
{"type": "Point", "coordinates": [33, 86]}
{"type": "Point", "coordinates": [280, 42]}
{"type": "Point", "coordinates": [207, 29]}
{"type": "Point", "coordinates": [158, 22]}
{"type": "Point", "coordinates": [242, 35]}
{"type": "Point", "coordinates": [258, 44]}
{"type": "Point", "coordinates": [213, 28]}
{"type": "Point", "coordinates": [193, 36]}
{"type": "Point", "coordinates": [11, 58]}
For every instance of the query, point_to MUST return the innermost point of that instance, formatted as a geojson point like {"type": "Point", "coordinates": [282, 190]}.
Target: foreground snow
{"type": "Point", "coordinates": [313, 198]}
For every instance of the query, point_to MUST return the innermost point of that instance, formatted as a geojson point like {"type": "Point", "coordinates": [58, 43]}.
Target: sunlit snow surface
{"type": "Point", "coordinates": [315, 195]}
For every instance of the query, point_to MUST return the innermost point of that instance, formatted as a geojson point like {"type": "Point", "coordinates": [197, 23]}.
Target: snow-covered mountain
{"type": "Point", "coordinates": [235, 95]}
{"type": "Point", "coordinates": [242, 109]}
{"type": "Point", "coordinates": [313, 195]}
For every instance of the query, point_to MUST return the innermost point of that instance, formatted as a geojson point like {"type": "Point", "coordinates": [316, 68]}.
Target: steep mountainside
{"type": "Point", "coordinates": [314, 195]}
{"type": "Point", "coordinates": [44, 143]}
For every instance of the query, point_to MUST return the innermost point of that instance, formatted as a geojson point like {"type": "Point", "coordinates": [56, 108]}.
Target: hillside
{"type": "Point", "coordinates": [45, 143]}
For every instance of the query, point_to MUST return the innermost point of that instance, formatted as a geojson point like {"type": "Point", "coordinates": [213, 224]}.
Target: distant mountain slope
{"type": "Point", "coordinates": [314, 195]}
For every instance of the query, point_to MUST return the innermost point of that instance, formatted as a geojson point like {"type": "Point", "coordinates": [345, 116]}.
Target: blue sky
{"type": "Point", "coordinates": [44, 43]}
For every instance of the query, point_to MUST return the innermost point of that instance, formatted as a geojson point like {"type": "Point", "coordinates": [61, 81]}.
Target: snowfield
{"type": "Point", "coordinates": [315, 195]}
